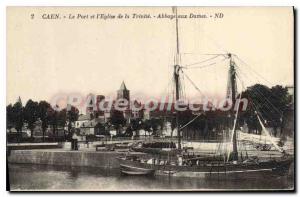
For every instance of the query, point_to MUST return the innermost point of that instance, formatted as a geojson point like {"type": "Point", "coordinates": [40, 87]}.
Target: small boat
{"type": "Point", "coordinates": [133, 170]}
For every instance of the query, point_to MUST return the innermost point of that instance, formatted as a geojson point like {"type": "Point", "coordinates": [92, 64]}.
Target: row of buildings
{"type": "Point", "coordinates": [87, 123]}
{"type": "Point", "coordinates": [95, 116]}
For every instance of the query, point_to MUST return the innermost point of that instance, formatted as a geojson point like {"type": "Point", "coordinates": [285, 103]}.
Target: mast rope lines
{"type": "Point", "coordinates": [203, 61]}
{"type": "Point", "coordinates": [200, 93]}
{"type": "Point", "coordinates": [268, 134]}
{"type": "Point", "coordinates": [193, 83]}
{"type": "Point", "coordinates": [258, 92]}
{"type": "Point", "coordinates": [251, 69]}
{"type": "Point", "coordinates": [192, 66]}
{"type": "Point", "coordinates": [261, 96]}
{"type": "Point", "coordinates": [197, 88]}
{"type": "Point", "coordinates": [189, 122]}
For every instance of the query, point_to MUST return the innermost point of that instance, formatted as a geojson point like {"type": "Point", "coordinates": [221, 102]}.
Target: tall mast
{"type": "Point", "coordinates": [233, 97]}
{"type": "Point", "coordinates": [176, 78]}
{"type": "Point", "coordinates": [177, 37]}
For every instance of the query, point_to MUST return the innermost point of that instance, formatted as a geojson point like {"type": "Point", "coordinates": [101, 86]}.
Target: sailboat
{"type": "Point", "coordinates": [184, 164]}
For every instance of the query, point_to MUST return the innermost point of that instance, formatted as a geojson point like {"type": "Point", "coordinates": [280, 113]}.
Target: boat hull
{"type": "Point", "coordinates": [221, 170]}
{"type": "Point", "coordinates": [136, 171]}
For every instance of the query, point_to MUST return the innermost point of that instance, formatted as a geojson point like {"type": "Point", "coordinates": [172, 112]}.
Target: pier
{"type": "Point", "coordinates": [61, 157]}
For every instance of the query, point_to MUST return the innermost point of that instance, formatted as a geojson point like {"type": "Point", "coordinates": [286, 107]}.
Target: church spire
{"type": "Point", "coordinates": [123, 86]}
{"type": "Point", "coordinates": [123, 92]}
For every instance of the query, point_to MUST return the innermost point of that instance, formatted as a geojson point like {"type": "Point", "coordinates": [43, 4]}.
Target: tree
{"type": "Point", "coordinates": [9, 116]}
{"type": "Point", "coordinates": [31, 115]}
{"type": "Point", "coordinates": [67, 116]}
{"type": "Point", "coordinates": [43, 113]}
{"type": "Point", "coordinates": [129, 132]}
{"type": "Point", "coordinates": [156, 123]}
{"type": "Point", "coordinates": [136, 124]}
{"type": "Point", "coordinates": [18, 115]}
{"type": "Point", "coordinates": [72, 116]}
{"type": "Point", "coordinates": [15, 117]}
{"type": "Point", "coordinates": [152, 125]}
{"type": "Point", "coordinates": [269, 103]}
{"type": "Point", "coordinates": [62, 118]}
{"type": "Point", "coordinates": [147, 126]}
{"type": "Point", "coordinates": [280, 99]}
{"type": "Point", "coordinates": [117, 119]}
{"type": "Point", "coordinates": [53, 119]}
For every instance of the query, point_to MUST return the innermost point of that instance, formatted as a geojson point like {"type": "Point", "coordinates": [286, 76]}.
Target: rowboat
{"type": "Point", "coordinates": [136, 171]}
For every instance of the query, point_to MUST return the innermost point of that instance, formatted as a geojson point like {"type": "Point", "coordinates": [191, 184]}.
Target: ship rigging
{"type": "Point", "coordinates": [224, 163]}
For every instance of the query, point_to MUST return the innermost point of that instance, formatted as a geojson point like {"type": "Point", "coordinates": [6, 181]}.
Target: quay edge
{"type": "Point", "coordinates": [67, 158]}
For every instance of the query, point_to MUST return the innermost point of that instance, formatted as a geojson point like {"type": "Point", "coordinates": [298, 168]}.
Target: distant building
{"type": "Point", "coordinates": [133, 110]}
{"type": "Point", "coordinates": [89, 128]}
{"type": "Point", "coordinates": [137, 111]}
{"type": "Point", "coordinates": [83, 120]}
{"type": "Point", "coordinates": [94, 108]}
{"type": "Point", "coordinates": [88, 125]}
{"type": "Point", "coordinates": [37, 130]}
{"type": "Point", "coordinates": [123, 92]}
{"type": "Point", "coordinates": [96, 115]}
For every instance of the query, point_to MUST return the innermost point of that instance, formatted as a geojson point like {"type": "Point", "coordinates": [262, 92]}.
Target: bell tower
{"type": "Point", "coordinates": [123, 92]}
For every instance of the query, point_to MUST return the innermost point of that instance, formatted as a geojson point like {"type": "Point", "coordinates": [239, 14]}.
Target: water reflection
{"type": "Point", "coordinates": [42, 177]}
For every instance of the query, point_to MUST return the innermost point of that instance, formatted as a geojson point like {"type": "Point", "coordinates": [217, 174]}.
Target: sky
{"type": "Point", "coordinates": [47, 57]}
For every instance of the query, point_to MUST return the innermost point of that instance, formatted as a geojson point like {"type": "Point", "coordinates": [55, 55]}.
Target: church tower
{"type": "Point", "coordinates": [123, 92]}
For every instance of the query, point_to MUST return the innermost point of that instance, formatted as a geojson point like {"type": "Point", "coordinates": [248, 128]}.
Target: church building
{"type": "Point", "coordinates": [123, 92]}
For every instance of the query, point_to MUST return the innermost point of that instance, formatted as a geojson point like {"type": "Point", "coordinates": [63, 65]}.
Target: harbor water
{"type": "Point", "coordinates": [46, 177]}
